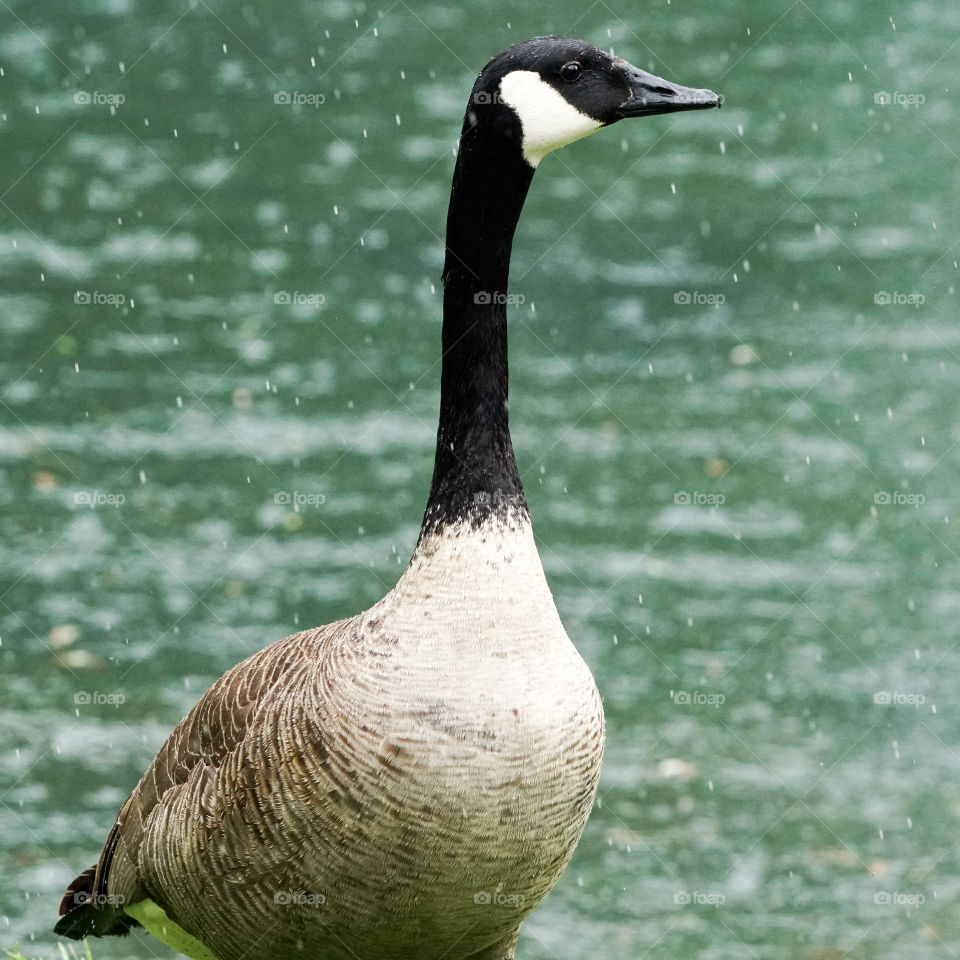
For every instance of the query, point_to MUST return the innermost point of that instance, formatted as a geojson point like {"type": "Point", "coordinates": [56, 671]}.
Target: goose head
{"type": "Point", "coordinates": [544, 93]}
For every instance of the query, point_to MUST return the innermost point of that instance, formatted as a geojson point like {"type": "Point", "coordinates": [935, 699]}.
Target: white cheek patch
{"type": "Point", "coordinates": [548, 121]}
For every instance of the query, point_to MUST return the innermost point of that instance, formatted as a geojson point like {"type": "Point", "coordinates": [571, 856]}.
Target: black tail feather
{"type": "Point", "coordinates": [80, 890]}
{"type": "Point", "coordinates": [84, 914]}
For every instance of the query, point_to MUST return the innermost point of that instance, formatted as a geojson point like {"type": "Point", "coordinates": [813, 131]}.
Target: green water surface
{"type": "Point", "coordinates": [734, 397]}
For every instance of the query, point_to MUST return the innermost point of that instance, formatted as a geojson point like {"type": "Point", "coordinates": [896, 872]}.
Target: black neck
{"type": "Point", "coordinates": [475, 474]}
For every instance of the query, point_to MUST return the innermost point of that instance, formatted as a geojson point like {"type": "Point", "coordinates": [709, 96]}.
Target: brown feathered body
{"type": "Point", "coordinates": [407, 783]}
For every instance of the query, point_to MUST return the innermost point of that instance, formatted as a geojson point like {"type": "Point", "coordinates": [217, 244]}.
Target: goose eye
{"type": "Point", "coordinates": [571, 71]}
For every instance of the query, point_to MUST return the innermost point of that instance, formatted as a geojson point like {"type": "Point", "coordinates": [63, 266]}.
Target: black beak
{"type": "Point", "coordinates": [650, 95]}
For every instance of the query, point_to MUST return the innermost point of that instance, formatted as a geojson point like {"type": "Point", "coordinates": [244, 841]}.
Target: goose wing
{"type": "Point", "coordinates": [211, 806]}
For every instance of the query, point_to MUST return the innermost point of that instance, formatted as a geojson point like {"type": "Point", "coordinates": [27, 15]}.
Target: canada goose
{"type": "Point", "coordinates": [411, 782]}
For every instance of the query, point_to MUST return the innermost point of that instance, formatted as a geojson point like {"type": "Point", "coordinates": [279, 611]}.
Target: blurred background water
{"type": "Point", "coordinates": [734, 402]}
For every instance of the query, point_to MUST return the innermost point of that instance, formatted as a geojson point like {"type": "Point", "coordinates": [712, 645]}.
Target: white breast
{"type": "Point", "coordinates": [493, 574]}
{"type": "Point", "coordinates": [491, 720]}
{"type": "Point", "coordinates": [479, 638]}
